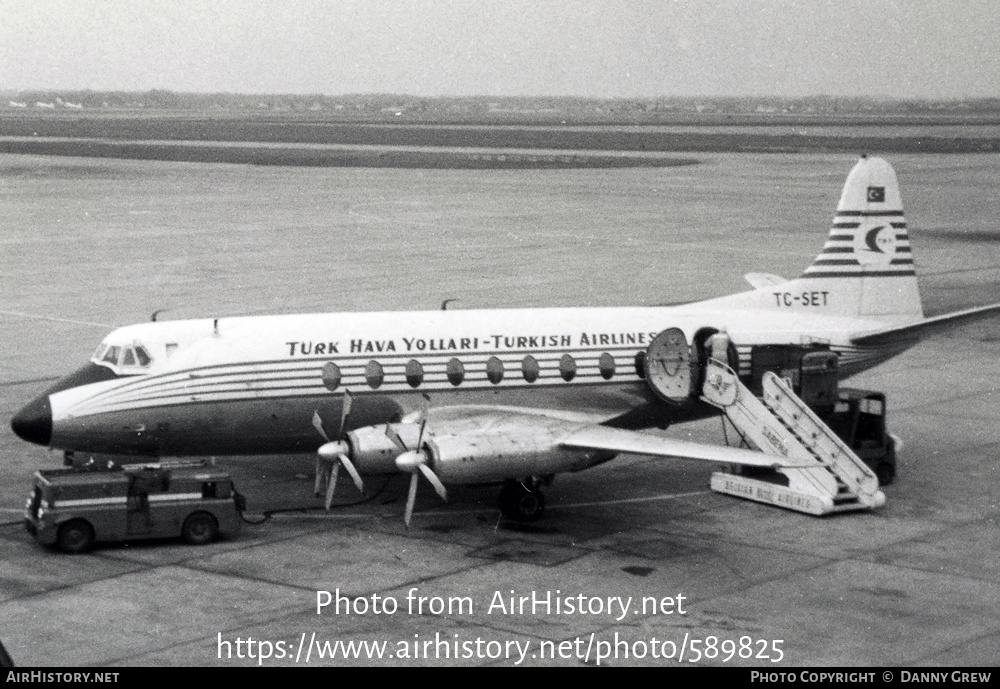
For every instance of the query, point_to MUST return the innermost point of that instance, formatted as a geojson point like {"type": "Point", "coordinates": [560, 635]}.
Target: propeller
{"type": "Point", "coordinates": [414, 462]}
{"type": "Point", "coordinates": [334, 453]}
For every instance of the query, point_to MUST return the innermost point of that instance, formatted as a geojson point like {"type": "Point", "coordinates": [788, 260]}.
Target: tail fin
{"type": "Point", "coordinates": [869, 245]}
{"type": "Point", "coordinates": [869, 231]}
{"type": "Point", "coordinates": [865, 269]}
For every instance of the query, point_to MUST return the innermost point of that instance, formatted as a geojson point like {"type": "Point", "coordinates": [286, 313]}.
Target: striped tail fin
{"type": "Point", "coordinates": [865, 270]}
{"type": "Point", "coordinates": [868, 249]}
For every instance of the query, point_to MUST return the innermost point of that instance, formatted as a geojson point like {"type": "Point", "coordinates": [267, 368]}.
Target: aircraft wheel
{"type": "Point", "coordinates": [75, 536]}
{"type": "Point", "coordinates": [885, 472]}
{"type": "Point", "coordinates": [520, 503]}
{"type": "Point", "coordinates": [200, 528]}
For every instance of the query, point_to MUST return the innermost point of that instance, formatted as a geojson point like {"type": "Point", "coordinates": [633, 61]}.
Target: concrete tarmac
{"type": "Point", "coordinates": [720, 580]}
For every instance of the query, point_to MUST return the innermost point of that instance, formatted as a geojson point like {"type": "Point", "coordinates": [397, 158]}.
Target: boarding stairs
{"type": "Point", "coordinates": [823, 474]}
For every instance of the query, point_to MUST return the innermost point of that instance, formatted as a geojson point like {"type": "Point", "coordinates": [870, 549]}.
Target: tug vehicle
{"type": "Point", "coordinates": [75, 508]}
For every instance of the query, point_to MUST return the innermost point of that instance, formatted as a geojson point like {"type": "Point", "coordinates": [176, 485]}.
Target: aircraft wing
{"type": "Point", "coordinates": [924, 327]}
{"type": "Point", "coordinates": [635, 442]}
{"type": "Point", "coordinates": [550, 429]}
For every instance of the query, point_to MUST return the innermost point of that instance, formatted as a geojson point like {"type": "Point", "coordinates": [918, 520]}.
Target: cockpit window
{"type": "Point", "coordinates": [111, 356]}
{"type": "Point", "coordinates": [134, 356]}
{"type": "Point", "coordinates": [143, 356]}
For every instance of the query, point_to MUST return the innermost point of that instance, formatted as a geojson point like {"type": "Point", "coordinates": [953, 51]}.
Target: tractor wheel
{"type": "Point", "coordinates": [200, 528]}
{"type": "Point", "coordinates": [76, 536]}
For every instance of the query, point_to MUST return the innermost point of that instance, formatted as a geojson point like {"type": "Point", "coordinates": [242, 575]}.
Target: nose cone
{"type": "Point", "coordinates": [34, 422]}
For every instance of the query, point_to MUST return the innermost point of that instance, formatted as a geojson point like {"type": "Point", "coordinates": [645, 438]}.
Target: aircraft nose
{"type": "Point", "coordinates": [34, 422]}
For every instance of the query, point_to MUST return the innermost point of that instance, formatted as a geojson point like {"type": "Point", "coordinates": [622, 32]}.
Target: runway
{"type": "Point", "coordinates": [98, 242]}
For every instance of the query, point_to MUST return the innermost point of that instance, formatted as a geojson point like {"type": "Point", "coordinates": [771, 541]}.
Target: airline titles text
{"type": "Point", "coordinates": [491, 342]}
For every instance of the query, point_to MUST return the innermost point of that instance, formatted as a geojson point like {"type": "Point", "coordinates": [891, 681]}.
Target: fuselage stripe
{"type": "Point", "coordinates": [867, 214]}
{"type": "Point", "coordinates": [872, 274]}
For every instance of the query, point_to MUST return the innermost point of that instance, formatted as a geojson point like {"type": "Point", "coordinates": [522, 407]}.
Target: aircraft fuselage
{"type": "Point", "coordinates": [251, 385]}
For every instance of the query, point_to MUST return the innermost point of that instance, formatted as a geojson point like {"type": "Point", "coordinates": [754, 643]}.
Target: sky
{"type": "Point", "coordinates": [590, 48]}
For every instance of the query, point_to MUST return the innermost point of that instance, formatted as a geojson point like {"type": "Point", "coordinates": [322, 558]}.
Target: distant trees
{"type": "Point", "coordinates": [396, 105]}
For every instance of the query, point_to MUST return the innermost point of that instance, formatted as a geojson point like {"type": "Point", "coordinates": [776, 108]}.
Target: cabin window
{"type": "Point", "coordinates": [374, 374]}
{"type": "Point", "coordinates": [640, 364]}
{"type": "Point", "coordinates": [331, 376]}
{"type": "Point", "coordinates": [606, 365]}
{"type": "Point", "coordinates": [208, 490]}
{"type": "Point", "coordinates": [529, 368]}
{"type": "Point", "coordinates": [456, 372]}
{"type": "Point", "coordinates": [494, 370]}
{"type": "Point", "coordinates": [414, 373]}
{"type": "Point", "coordinates": [567, 367]}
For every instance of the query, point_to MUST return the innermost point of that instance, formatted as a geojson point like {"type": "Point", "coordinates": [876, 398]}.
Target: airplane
{"type": "Point", "coordinates": [505, 396]}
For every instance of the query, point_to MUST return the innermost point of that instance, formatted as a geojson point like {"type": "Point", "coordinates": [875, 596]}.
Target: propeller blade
{"type": "Point", "coordinates": [335, 454]}
{"type": "Point", "coordinates": [434, 481]}
{"type": "Point", "coordinates": [411, 499]}
{"type": "Point", "coordinates": [420, 436]}
{"type": "Point", "coordinates": [392, 435]}
{"type": "Point", "coordinates": [318, 486]}
{"type": "Point", "coordinates": [318, 425]}
{"type": "Point", "coordinates": [332, 486]}
{"type": "Point", "coordinates": [345, 460]}
{"type": "Point", "coordinates": [345, 409]}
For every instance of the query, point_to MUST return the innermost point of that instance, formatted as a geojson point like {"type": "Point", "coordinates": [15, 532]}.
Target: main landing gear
{"type": "Point", "coordinates": [522, 501]}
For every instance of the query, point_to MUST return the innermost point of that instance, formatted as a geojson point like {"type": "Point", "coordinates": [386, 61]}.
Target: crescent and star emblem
{"type": "Point", "coordinates": [871, 239]}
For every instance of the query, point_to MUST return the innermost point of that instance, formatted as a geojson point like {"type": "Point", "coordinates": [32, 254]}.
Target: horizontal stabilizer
{"type": "Point", "coordinates": [633, 442]}
{"type": "Point", "coordinates": [926, 326]}
{"type": "Point", "coordinates": [763, 280]}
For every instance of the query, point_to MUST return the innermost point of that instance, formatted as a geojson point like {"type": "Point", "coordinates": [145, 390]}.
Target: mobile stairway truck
{"type": "Point", "coordinates": [829, 446]}
{"type": "Point", "coordinates": [817, 470]}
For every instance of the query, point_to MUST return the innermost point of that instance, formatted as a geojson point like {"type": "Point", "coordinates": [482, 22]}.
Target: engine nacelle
{"type": "Point", "coordinates": [373, 452]}
{"type": "Point", "coordinates": [496, 456]}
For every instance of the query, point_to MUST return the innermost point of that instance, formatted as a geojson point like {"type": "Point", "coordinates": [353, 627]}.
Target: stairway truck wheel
{"type": "Point", "coordinates": [521, 503]}
{"type": "Point", "coordinates": [885, 472]}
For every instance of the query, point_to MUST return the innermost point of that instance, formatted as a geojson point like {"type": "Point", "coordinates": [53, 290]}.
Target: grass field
{"type": "Point", "coordinates": [301, 141]}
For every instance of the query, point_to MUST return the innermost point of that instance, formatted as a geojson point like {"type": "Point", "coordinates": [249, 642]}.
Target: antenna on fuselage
{"type": "Point", "coordinates": [444, 304]}
{"type": "Point", "coordinates": [156, 313]}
